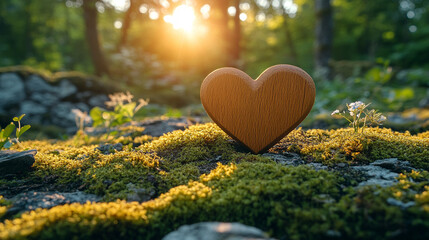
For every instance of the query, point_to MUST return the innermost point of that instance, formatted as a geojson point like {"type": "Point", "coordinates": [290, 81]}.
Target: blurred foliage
{"type": "Point", "coordinates": [167, 65]}
{"type": "Point", "coordinates": [385, 88]}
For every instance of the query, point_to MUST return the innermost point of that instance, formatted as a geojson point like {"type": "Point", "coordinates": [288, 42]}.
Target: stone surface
{"type": "Point", "coordinates": [48, 102]}
{"type": "Point", "coordinates": [159, 127]}
{"type": "Point", "coordinates": [32, 200]}
{"type": "Point", "coordinates": [66, 89]}
{"type": "Point", "coordinates": [12, 90]}
{"type": "Point", "coordinates": [62, 115]}
{"type": "Point", "coordinates": [36, 83]}
{"type": "Point", "coordinates": [154, 127]}
{"type": "Point", "coordinates": [31, 108]}
{"type": "Point", "coordinates": [12, 162]}
{"type": "Point", "coordinates": [216, 231]}
{"type": "Point", "coordinates": [285, 159]}
{"type": "Point", "coordinates": [110, 148]}
{"type": "Point", "coordinates": [98, 100]}
{"type": "Point", "coordinates": [393, 164]}
{"type": "Point", "coordinates": [399, 203]}
{"type": "Point", "coordinates": [44, 98]}
{"type": "Point", "coordinates": [139, 194]}
{"type": "Point", "coordinates": [383, 172]}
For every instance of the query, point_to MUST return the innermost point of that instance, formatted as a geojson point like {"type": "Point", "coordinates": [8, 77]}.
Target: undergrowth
{"type": "Point", "coordinates": [200, 174]}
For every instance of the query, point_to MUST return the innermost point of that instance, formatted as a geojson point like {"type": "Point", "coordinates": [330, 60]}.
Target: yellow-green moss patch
{"type": "Point", "coordinates": [343, 145]}
{"type": "Point", "coordinates": [287, 202]}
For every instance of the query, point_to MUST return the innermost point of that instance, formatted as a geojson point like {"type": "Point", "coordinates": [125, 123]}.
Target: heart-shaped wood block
{"type": "Point", "coordinates": [258, 113]}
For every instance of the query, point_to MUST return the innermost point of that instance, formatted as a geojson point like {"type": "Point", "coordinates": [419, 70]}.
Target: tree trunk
{"type": "Point", "coordinates": [126, 24]}
{"type": "Point", "coordinates": [91, 34]}
{"type": "Point", "coordinates": [235, 45]}
{"type": "Point", "coordinates": [324, 35]}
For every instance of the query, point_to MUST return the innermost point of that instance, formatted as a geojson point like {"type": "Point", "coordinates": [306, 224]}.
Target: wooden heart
{"type": "Point", "coordinates": [258, 113]}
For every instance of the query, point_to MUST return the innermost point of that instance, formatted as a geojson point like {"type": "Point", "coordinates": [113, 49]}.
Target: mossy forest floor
{"type": "Point", "coordinates": [200, 174]}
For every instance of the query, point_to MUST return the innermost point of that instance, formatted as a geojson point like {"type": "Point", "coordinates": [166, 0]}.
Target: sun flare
{"type": "Point", "coordinates": [183, 17]}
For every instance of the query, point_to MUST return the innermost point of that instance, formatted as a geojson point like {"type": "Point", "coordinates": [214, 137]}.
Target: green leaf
{"type": "Point", "coordinates": [16, 119]}
{"type": "Point", "coordinates": [20, 117]}
{"type": "Point", "coordinates": [129, 109]}
{"type": "Point", "coordinates": [8, 130]}
{"type": "Point", "coordinates": [96, 115]}
{"type": "Point", "coordinates": [23, 130]}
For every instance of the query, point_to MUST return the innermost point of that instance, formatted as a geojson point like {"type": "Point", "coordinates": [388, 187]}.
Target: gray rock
{"type": "Point", "coordinates": [333, 234]}
{"type": "Point", "coordinates": [98, 100]}
{"type": "Point", "coordinates": [61, 115]}
{"type": "Point", "coordinates": [393, 164]}
{"type": "Point", "coordinates": [285, 158]}
{"type": "Point", "coordinates": [139, 194]}
{"type": "Point", "coordinates": [35, 111]}
{"type": "Point", "coordinates": [377, 176]}
{"type": "Point", "coordinates": [12, 90]}
{"type": "Point", "coordinates": [36, 83]}
{"type": "Point", "coordinates": [32, 200]}
{"type": "Point", "coordinates": [110, 148]}
{"type": "Point", "coordinates": [318, 166]}
{"type": "Point", "coordinates": [44, 98]}
{"type": "Point", "coordinates": [12, 162]}
{"type": "Point", "coordinates": [158, 127]}
{"type": "Point", "coordinates": [153, 127]}
{"type": "Point", "coordinates": [216, 231]}
{"type": "Point", "coordinates": [400, 204]}
{"type": "Point", "coordinates": [66, 89]}
{"type": "Point", "coordinates": [32, 108]}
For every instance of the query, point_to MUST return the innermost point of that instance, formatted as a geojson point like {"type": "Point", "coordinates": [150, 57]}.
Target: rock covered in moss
{"type": "Point", "coordinates": [199, 175]}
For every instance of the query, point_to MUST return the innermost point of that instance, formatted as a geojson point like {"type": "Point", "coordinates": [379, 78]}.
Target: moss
{"type": "Point", "coordinates": [4, 205]}
{"type": "Point", "coordinates": [294, 203]}
{"type": "Point", "coordinates": [198, 175]}
{"type": "Point", "coordinates": [196, 143]}
{"type": "Point", "coordinates": [343, 145]}
{"type": "Point", "coordinates": [185, 155]}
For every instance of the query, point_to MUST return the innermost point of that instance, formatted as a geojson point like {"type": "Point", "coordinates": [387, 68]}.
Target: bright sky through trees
{"type": "Point", "coordinates": [183, 17]}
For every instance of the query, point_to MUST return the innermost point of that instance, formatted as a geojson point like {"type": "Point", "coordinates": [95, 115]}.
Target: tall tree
{"type": "Point", "coordinates": [324, 36]}
{"type": "Point", "coordinates": [126, 23]}
{"type": "Point", "coordinates": [90, 15]}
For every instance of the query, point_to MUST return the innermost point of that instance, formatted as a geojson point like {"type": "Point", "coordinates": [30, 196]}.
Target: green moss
{"type": "Point", "coordinates": [294, 203]}
{"type": "Point", "coordinates": [199, 142]}
{"type": "Point", "coordinates": [343, 145]}
{"type": "Point", "coordinates": [4, 205]}
{"type": "Point", "coordinates": [198, 175]}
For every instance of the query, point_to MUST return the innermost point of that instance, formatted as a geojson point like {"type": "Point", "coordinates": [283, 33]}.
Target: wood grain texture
{"type": "Point", "coordinates": [258, 113]}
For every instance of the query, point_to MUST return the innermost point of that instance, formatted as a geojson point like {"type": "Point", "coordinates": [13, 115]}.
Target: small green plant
{"type": "Point", "coordinates": [360, 116]}
{"type": "Point", "coordinates": [124, 110]}
{"type": "Point", "coordinates": [5, 140]}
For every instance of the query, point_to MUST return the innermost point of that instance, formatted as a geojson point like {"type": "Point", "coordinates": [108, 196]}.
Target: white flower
{"type": "Point", "coordinates": [382, 118]}
{"type": "Point", "coordinates": [354, 106]}
{"type": "Point", "coordinates": [81, 115]}
{"type": "Point", "coordinates": [335, 112]}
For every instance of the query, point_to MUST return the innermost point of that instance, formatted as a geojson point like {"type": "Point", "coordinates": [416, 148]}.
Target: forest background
{"type": "Point", "coordinates": [374, 51]}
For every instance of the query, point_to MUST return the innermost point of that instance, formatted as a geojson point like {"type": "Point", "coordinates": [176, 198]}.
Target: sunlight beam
{"type": "Point", "coordinates": [183, 17]}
